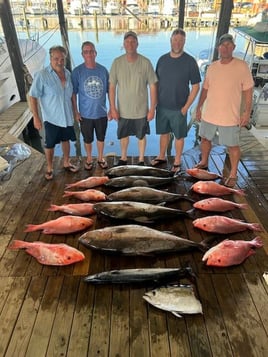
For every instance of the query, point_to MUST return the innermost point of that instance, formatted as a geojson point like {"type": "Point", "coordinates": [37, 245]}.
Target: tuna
{"type": "Point", "coordinates": [61, 225]}
{"type": "Point", "coordinates": [231, 252]}
{"type": "Point", "coordinates": [214, 189]}
{"type": "Point", "coordinates": [225, 225]}
{"type": "Point", "coordinates": [133, 181]}
{"type": "Point", "coordinates": [129, 170]}
{"type": "Point", "coordinates": [218, 205]}
{"type": "Point", "coordinates": [49, 254]}
{"type": "Point", "coordinates": [139, 212]}
{"type": "Point", "coordinates": [178, 299]}
{"type": "Point", "coordinates": [139, 276]}
{"type": "Point", "coordinates": [136, 240]}
{"type": "Point", "coordinates": [147, 195]}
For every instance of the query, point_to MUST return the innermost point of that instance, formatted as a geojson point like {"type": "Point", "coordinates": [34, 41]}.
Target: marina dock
{"type": "Point", "coordinates": [51, 311]}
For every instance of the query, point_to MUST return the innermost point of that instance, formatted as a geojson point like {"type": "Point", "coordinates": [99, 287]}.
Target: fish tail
{"type": "Point", "coordinates": [243, 205]}
{"type": "Point", "coordinates": [53, 208]}
{"type": "Point", "coordinates": [67, 194]}
{"type": "Point", "coordinates": [18, 244]}
{"type": "Point", "coordinates": [30, 228]}
{"type": "Point", "coordinates": [191, 213]}
{"type": "Point", "coordinates": [256, 227]}
{"type": "Point", "coordinates": [240, 192]}
{"type": "Point", "coordinates": [257, 242]}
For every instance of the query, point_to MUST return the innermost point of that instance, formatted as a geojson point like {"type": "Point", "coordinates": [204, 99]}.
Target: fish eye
{"type": "Point", "coordinates": [69, 258]}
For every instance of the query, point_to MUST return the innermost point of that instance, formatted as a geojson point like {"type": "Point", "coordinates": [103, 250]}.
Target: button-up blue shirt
{"type": "Point", "coordinates": [55, 99]}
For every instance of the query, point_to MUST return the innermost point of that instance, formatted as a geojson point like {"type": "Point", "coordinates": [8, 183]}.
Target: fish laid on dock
{"type": "Point", "coordinates": [76, 209]}
{"type": "Point", "coordinates": [215, 189]}
{"type": "Point", "coordinates": [89, 182]}
{"type": "Point", "coordinates": [134, 239]}
{"type": "Point", "coordinates": [139, 276]}
{"type": "Point", "coordinates": [147, 195]}
{"type": "Point", "coordinates": [87, 195]}
{"type": "Point", "coordinates": [202, 174]}
{"type": "Point", "coordinates": [231, 252]}
{"type": "Point", "coordinates": [61, 225]}
{"type": "Point", "coordinates": [215, 204]}
{"type": "Point", "coordinates": [132, 181]}
{"type": "Point", "coordinates": [140, 212]}
{"type": "Point", "coordinates": [49, 254]}
{"type": "Point", "coordinates": [129, 170]}
{"type": "Point", "coordinates": [225, 225]}
{"type": "Point", "coordinates": [178, 299]}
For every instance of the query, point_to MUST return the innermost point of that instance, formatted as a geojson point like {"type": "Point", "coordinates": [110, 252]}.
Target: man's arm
{"type": "Point", "coordinates": [153, 101]}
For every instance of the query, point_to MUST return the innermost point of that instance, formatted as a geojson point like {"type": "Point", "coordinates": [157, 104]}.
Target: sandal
{"type": "Point", "coordinates": [71, 168]}
{"type": "Point", "coordinates": [157, 162]}
{"type": "Point", "coordinates": [88, 165]}
{"type": "Point", "coordinates": [200, 166]}
{"type": "Point", "coordinates": [176, 168]}
{"type": "Point", "coordinates": [140, 163]}
{"type": "Point", "coordinates": [103, 164]}
{"type": "Point", "coordinates": [49, 175]}
{"type": "Point", "coordinates": [230, 182]}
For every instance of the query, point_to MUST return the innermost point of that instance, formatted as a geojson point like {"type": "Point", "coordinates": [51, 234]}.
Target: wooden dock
{"type": "Point", "coordinates": [51, 311]}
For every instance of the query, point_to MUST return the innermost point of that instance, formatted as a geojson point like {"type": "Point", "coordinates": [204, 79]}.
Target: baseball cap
{"type": "Point", "coordinates": [130, 33]}
{"type": "Point", "coordinates": [226, 37]}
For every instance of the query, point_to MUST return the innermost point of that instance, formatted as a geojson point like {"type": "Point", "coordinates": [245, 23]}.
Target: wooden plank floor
{"type": "Point", "coordinates": [51, 311]}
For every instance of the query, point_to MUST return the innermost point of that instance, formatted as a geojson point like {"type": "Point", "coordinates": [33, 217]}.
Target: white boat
{"type": "Point", "coordinates": [94, 8]}
{"type": "Point", "coordinates": [112, 8]}
{"type": "Point", "coordinates": [133, 7]}
{"type": "Point", "coordinates": [257, 56]}
{"type": "Point", "coordinates": [33, 56]}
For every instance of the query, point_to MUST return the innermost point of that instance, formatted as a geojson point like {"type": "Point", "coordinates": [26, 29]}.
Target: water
{"type": "Point", "coordinates": [152, 45]}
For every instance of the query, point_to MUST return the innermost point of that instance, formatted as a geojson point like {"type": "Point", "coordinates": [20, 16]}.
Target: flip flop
{"type": "Point", "coordinates": [176, 168]}
{"type": "Point", "coordinates": [88, 165]}
{"type": "Point", "coordinates": [103, 164]}
{"type": "Point", "coordinates": [49, 175]}
{"type": "Point", "coordinates": [71, 168]}
{"type": "Point", "coordinates": [200, 166]}
{"type": "Point", "coordinates": [157, 162]}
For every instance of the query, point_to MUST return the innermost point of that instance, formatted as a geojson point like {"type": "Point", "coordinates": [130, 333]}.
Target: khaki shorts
{"type": "Point", "coordinates": [228, 135]}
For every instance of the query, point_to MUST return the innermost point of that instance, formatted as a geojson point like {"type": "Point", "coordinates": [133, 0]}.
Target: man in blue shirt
{"type": "Point", "coordinates": [52, 89]}
{"type": "Point", "coordinates": [90, 82]}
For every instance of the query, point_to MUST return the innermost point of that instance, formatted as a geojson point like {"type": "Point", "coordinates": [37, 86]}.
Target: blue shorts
{"type": "Point", "coordinates": [89, 125]}
{"type": "Point", "coordinates": [228, 135]}
{"type": "Point", "coordinates": [55, 134]}
{"type": "Point", "coordinates": [132, 127]}
{"type": "Point", "coordinates": [171, 121]}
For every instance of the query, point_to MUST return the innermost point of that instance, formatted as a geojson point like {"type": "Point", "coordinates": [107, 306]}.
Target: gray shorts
{"type": "Point", "coordinates": [171, 121]}
{"type": "Point", "coordinates": [228, 135]}
{"type": "Point", "coordinates": [132, 127]}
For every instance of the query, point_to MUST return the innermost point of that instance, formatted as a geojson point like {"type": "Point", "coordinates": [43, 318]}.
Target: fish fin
{"type": "Point", "coordinates": [53, 208]}
{"type": "Point", "coordinates": [31, 228]}
{"type": "Point", "coordinates": [191, 213]}
{"type": "Point", "coordinates": [176, 314]}
{"type": "Point", "coordinates": [143, 220]}
{"type": "Point", "coordinates": [161, 204]}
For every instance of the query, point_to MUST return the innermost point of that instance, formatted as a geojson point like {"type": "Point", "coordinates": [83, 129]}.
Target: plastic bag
{"type": "Point", "coordinates": [14, 154]}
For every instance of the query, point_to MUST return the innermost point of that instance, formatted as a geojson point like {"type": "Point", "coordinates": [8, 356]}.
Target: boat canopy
{"type": "Point", "coordinates": [250, 33]}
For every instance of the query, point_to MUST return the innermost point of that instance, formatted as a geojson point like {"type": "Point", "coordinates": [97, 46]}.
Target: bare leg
{"type": "Point", "coordinates": [164, 140]}
{"type": "Point", "coordinates": [49, 153]}
{"type": "Point", "coordinates": [179, 144]}
{"type": "Point", "coordinates": [100, 147]}
{"type": "Point", "coordinates": [124, 146]}
{"type": "Point", "coordinates": [234, 155]}
{"type": "Point", "coordinates": [205, 151]}
{"type": "Point", "coordinates": [88, 148]}
{"type": "Point", "coordinates": [66, 153]}
{"type": "Point", "coordinates": [142, 146]}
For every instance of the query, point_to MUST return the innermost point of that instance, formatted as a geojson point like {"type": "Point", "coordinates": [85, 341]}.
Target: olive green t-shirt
{"type": "Point", "coordinates": [132, 80]}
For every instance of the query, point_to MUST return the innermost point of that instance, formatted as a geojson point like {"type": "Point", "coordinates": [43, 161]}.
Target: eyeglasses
{"type": "Point", "coordinates": [89, 51]}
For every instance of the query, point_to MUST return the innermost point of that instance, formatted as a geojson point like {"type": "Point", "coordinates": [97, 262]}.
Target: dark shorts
{"type": "Point", "coordinates": [89, 125]}
{"type": "Point", "coordinates": [171, 121]}
{"type": "Point", "coordinates": [55, 134]}
{"type": "Point", "coordinates": [132, 127]}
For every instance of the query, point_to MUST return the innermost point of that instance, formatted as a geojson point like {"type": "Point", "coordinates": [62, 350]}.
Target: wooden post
{"type": "Point", "coordinates": [13, 46]}
{"type": "Point", "coordinates": [224, 23]}
{"type": "Point", "coordinates": [181, 13]}
{"type": "Point", "coordinates": [64, 33]}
